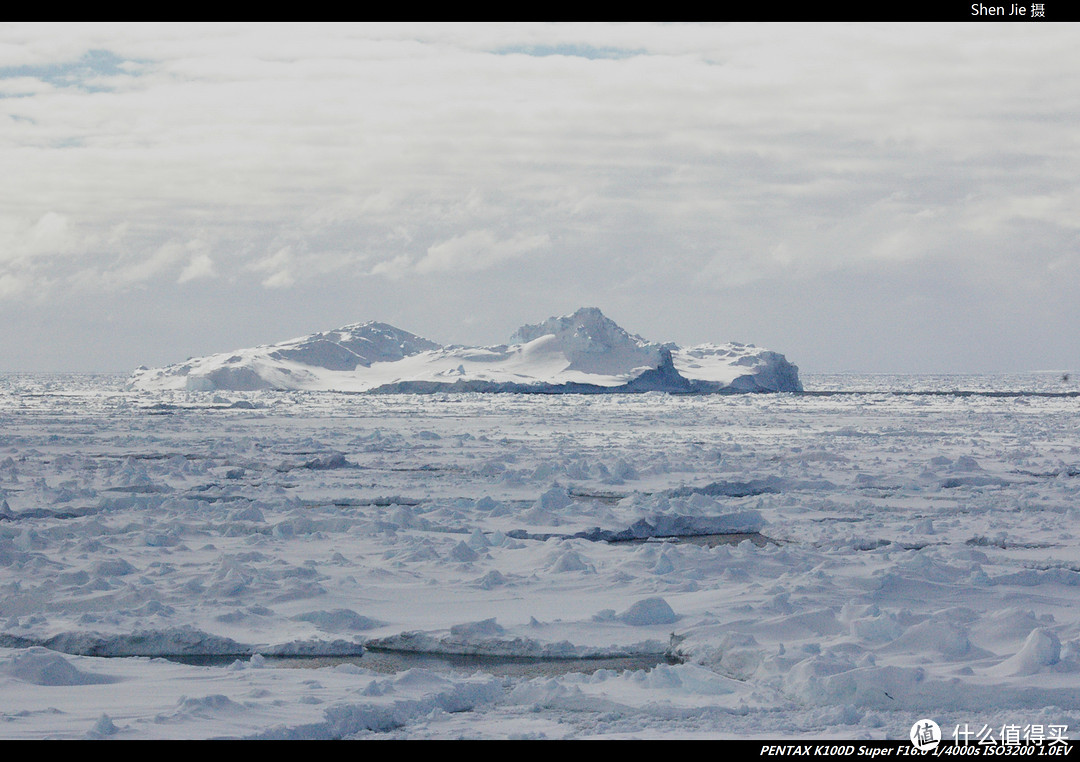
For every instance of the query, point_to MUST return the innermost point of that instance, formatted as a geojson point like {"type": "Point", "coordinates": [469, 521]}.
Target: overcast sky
{"type": "Point", "coordinates": [881, 198]}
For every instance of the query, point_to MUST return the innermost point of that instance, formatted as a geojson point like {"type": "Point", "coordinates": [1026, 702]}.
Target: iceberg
{"type": "Point", "coordinates": [582, 353]}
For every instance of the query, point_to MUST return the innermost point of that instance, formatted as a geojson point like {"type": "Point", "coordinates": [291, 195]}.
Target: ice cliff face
{"type": "Point", "coordinates": [582, 353]}
{"type": "Point", "coordinates": [737, 367]}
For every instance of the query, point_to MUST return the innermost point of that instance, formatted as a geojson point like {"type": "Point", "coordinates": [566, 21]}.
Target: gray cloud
{"type": "Point", "coordinates": [459, 179]}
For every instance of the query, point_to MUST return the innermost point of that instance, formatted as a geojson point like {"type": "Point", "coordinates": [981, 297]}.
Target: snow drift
{"type": "Point", "coordinates": [580, 353]}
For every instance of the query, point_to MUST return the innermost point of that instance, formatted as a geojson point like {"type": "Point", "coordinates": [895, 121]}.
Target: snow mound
{"type": "Point", "coordinates": [648, 611]}
{"type": "Point", "coordinates": [419, 694]}
{"type": "Point", "coordinates": [485, 628]}
{"type": "Point", "coordinates": [103, 728]}
{"type": "Point", "coordinates": [1041, 651]}
{"type": "Point", "coordinates": [585, 352]}
{"type": "Point", "coordinates": [41, 666]}
{"type": "Point", "coordinates": [338, 620]}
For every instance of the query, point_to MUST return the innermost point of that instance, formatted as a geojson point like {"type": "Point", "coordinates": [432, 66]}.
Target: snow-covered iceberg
{"type": "Point", "coordinates": [580, 353]}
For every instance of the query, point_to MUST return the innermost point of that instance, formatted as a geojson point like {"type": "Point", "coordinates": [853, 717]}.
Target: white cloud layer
{"type": "Point", "coordinates": [466, 177]}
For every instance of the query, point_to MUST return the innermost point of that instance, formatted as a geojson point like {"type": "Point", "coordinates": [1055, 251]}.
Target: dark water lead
{"type": "Point", "coordinates": [710, 540]}
{"type": "Point", "coordinates": [392, 662]}
{"type": "Point", "coordinates": [707, 540]}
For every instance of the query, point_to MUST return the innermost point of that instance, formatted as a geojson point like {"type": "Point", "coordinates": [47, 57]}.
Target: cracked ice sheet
{"type": "Point", "coordinates": [926, 563]}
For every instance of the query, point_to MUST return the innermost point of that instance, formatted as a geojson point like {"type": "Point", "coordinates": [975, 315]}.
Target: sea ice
{"type": "Point", "coordinates": [916, 556]}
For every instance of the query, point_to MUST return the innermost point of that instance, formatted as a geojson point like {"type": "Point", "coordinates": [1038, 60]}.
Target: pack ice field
{"type": "Point", "coordinates": [302, 564]}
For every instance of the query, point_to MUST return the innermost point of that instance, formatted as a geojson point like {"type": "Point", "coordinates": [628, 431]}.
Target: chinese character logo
{"type": "Point", "coordinates": [925, 735]}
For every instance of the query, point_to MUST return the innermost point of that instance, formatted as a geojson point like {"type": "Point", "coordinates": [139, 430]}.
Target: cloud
{"type": "Point", "coordinates": [280, 267]}
{"type": "Point", "coordinates": [267, 125]}
{"type": "Point", "coordinates": [126, 271]}
{"type": "Point", "coordinates": [200, 266]}
{"type": "Point", "coordinates": [376, 158]}
{"type": "Point", "coordinates": [50, 235]}
{"type": "Point", "coordinates": [396, 267]}
{"type": "Point", "coordinates": [11, 285]}
{"type": "Point", "coordinates": [477, 250]}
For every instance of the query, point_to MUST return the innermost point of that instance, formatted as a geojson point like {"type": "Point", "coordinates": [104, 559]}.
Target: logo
{"type": "Point", "coordinates": [925, 735]}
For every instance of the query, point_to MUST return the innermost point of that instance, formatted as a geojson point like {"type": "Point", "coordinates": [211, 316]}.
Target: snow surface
{"type": "Point", "coordinates": [916, 556]}
{"type": "Point", "coordinates": [583, 352]}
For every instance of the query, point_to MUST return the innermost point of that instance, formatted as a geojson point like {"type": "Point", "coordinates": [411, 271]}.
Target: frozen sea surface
{"type": "Point", "coordinates": [919, 560]}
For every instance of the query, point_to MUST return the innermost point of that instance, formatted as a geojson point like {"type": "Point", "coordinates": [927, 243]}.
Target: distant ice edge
{"type": "Point", "coordinates": [582, 353]}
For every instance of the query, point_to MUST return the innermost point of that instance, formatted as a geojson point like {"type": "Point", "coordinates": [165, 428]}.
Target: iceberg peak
{"type": "Point", "coordinates": [593, 343]}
